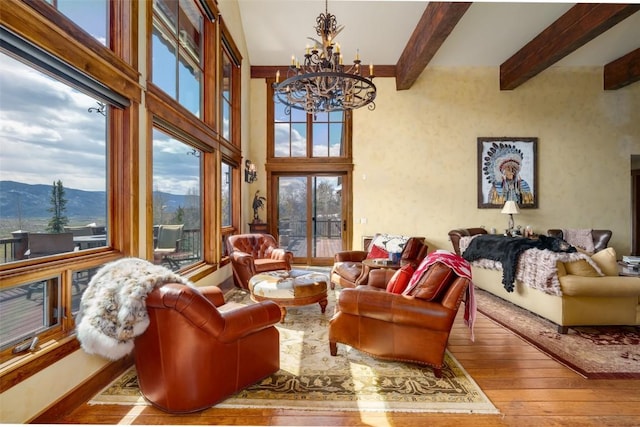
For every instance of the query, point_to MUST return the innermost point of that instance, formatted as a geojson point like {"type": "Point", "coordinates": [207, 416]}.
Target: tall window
{"type": "Point", "coordinates": [53, 201]}
{"type": "Point", "coordinates": [91, 16]}
{"type": "Point", "coordinates": [54, 189]}
{"type": "Point", "coordinates": [177, 201]}
{"type": "Point", "coordinates": [298, 134]}
{"type": "Point", "coordinates": [230, 88]}
{"type": "Point", "coordinates": [177, 46]}
{"type": "Point", "coordinates": [226, 194]}
{"type": "Point", "coordinates": [226, 99]}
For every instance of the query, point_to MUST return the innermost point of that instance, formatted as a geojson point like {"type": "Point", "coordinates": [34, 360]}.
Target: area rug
{"type": "Point", "coordinates": [311, 379]}
{"type": "Point", "coordinates": [593, 351]}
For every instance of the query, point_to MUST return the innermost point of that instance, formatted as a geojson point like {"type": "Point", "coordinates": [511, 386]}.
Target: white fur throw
{"type": "Point", "coordinates": [112, 310]}
{"type": "Point", "coordinates": [536, 268]}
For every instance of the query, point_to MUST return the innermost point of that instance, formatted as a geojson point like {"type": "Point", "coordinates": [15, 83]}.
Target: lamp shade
{"type": "Point", "coordinates": [510, 207]}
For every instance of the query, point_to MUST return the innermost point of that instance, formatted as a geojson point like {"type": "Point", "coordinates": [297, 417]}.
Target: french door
{"type": "Point", "coordinates": [310, 216]}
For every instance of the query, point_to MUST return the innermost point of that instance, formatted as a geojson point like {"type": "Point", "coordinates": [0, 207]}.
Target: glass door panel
{"type": "Point", "coordinates": [310, 222]}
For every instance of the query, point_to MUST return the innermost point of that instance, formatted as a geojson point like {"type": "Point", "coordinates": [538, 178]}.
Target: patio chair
{"type": "Point", "coordinates": [44, 244]}
{"type": "Point", "coordinates": [168, 244]}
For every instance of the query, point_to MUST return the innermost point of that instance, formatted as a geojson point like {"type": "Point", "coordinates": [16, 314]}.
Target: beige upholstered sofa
{"type": "Point", "coordinates": [586, 299]}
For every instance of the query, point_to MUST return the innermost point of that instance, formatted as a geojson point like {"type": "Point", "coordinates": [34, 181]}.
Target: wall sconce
{"type": "Point", "coordinates": [250, 174]}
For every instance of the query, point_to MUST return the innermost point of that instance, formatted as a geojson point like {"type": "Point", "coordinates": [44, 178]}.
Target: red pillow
{"type": "Point", "coordinates": [400, 279]}
{"type": "Point", "coordinates": [377, 252]}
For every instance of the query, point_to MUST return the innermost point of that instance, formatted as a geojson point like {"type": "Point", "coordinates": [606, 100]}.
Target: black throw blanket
{"type": "Point", "coordinates": [507, 250]}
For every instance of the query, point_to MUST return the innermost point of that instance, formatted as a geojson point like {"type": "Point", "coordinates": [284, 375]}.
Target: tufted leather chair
{"type": "Point", "coordinates": [600, 237]}
{"type": "Point", "coordinates": [348, 270]}
{"type": "Point", "coordinates": [398, 327]}
{"type": "Point", "coordinates": [198, 350]}
{"type": "Point", "coordinates": [256, 253]}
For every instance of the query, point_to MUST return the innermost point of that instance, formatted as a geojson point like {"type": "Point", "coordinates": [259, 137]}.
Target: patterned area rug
{"type": "Point", "coordinates": [594, 351]}
{"type": "Point", "coordinates": [310, 378]}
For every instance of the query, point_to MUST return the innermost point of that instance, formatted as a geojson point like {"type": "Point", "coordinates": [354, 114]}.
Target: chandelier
{"type": "Point", "coordinates": [322, 83]}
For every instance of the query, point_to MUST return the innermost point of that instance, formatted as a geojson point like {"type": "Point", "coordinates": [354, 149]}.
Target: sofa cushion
{"type": "Point", "coordinates": [400, 279]}
{"type": "Point", "coordinates": [348, 270]}
{"type": "Point", "coordinates": [607, 261]}
{"type": "Point", "coordinates": [581, 268]}
{"type": "Point", "coordinates": [432, 283]}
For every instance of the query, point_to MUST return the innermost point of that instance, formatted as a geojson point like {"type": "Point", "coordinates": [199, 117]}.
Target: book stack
{"type": "Point", "coordinates": [630, 265]}
{"type": "Point", "coordinates": [632, 260]}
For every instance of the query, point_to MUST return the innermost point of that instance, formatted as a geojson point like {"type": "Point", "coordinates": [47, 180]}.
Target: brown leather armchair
{"type": "Point", "coordinates": [408, 328]}
{"type": "Point", "coordinates": [198, 350]}
{"type": "Point", "coordinates": [256, 253]}
{"type": "Point", "coordinates": [348, 270]}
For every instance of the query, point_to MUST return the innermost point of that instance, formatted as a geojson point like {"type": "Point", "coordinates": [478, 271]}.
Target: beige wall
{"type": "Point", "coordinates": [415, 155]}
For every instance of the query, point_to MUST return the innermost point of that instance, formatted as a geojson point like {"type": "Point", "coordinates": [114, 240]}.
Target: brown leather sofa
{"type": "Point", "coordinates": [256, 253]}
{"type": "Point", "coordinates": [348, 270]}
{"type": "Point", "coordinates": [398, 327]}
{"type": "Point", "coordinates": [198, 350]}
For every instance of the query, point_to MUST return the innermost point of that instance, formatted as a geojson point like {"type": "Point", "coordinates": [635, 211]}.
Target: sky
{"type": "Point", "coordinates": [48, 134]}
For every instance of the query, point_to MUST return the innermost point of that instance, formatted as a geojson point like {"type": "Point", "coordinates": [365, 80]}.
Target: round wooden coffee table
{"type": "Point", "coordinates": [290, 288]}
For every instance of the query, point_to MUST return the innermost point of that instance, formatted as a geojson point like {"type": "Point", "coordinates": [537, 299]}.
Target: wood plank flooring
{"type": "Point", "coordinates": [528, 387]}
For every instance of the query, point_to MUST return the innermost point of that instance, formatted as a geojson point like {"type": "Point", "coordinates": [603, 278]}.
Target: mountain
{"type": "Point", "coordinates": [33, 201]}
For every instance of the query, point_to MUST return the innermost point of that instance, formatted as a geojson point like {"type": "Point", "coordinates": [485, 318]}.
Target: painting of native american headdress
{"type": "Point", "coordinates": [507, 170]}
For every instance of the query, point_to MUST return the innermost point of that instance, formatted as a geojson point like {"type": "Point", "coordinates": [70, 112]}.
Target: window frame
{"type": "Point", "coordinates": [169, 115]}
{"type": "Point", "coordinates": [67, 42]}
{"type": "Point", "coordinates": [273, 161]}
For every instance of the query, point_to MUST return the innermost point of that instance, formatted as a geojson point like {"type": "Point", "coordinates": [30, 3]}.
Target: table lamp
{"type": "Point", "coordinates": [510, 207]}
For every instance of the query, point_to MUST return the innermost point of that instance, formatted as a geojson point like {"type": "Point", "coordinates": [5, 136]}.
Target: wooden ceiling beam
{"type": "Point", "coordinates": [437, 22]}
{"type": "Point", "coordinates": [623, 71]}
{"type": "Point", "coordinates": [579, 25]}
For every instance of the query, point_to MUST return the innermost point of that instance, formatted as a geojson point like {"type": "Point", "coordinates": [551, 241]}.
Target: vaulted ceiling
{"type": "Point", "coordinates": [402, 38]}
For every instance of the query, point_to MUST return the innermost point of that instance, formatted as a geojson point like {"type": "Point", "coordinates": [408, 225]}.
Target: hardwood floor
{"type": "Point", "coordinates": [528, 387]}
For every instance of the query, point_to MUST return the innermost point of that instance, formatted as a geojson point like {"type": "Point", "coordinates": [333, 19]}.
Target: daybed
{"type": "Point", "coordinates": [575, 293]}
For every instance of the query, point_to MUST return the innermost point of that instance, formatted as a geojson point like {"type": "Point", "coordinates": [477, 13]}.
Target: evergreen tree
{"type": "Point", "coordinates": [58, 206]}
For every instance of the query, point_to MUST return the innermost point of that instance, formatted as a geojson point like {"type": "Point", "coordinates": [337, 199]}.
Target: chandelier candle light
{"type": "Point", "coordinates": [322, 83]}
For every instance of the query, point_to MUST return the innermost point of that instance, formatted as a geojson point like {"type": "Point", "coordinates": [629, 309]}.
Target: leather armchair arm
{"type": "Point", "coordinates": [213, 294]}
{"type": "Point", "coordinates": [282, 255]}
{"type": "Point", "coordinates": [225, 326]}
{"type": "Point", "coordinates": [248, 319]}
{"type": "Point", "coordinates": [351, 256]}
{"type": "Point", "coordinates": [243, 259]}
{"type": "Point", "coordinates": [394, 308]}
{"type": "Point", "coordinates": [380, 277]}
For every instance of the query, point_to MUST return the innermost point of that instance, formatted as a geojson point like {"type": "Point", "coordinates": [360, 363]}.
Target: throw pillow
{"type": "Point", "coordinates": [382, 244]}
{"type": "Point", "coordinates": [433, 282]}
{"type": "Point", "coordinates": [580, 268]}
{"type": "Point", "coordinates": [580, 238]}
{"type": "Point", "coordinates": [400, 279]}
{"type": "Point", "coordinates": [607, 261]}
{"type": "Point", "coordinates": [377, 252]}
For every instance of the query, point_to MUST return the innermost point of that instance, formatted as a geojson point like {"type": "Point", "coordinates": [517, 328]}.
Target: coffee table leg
{"type": "Point", "coordinates": [323, 305]}
{"type": "Point", "coordinates": [283, 313]}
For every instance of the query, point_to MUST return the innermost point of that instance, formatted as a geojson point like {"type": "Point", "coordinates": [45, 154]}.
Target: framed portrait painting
{"type": "Point", "coordinates": [507, 170]}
